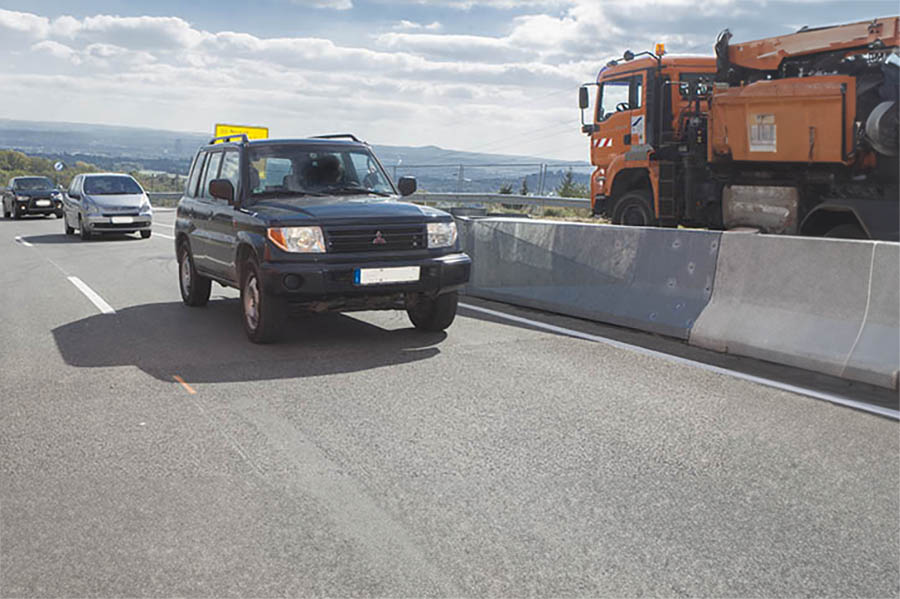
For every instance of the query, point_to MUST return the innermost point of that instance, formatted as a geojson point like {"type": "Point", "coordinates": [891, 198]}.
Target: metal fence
{"type": "Point", "coordinates": [541, 179]}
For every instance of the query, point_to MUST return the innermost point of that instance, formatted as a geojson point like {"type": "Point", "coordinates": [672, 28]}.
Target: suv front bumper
{"type": "Point", "coordinates": [302, 282]}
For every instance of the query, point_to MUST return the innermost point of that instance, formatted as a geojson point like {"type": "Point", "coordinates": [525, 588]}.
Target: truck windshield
{"type": "Point", "coordinates": [111, 185]}
{"type": "Point", "coordinates": [298, 169]}
{"type": "Point", "coordinates": [612, 95]}
{"type": "Point", "coordinates": [33, 184]}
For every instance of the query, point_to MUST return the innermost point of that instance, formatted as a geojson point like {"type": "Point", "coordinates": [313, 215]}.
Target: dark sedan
{"type": "Point", "coordinates": [31, 195]}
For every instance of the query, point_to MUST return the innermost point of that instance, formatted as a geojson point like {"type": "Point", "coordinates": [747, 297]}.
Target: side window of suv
{"type": "Point", "coordinates": [191, 188]}
{"type": "Point", "coordinates": [210, 172]}
{"type": "Point", "coordinates": [231, 169]}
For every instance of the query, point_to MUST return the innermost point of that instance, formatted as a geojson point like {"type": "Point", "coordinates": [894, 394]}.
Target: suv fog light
{"type": "Point", "coordinates": [292, 282]}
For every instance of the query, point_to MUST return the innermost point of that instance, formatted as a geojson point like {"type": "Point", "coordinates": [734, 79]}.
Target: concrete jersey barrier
{"type": "Point", "coordinates": [651, 279]}
{"type": "Point", "coordinates": [828, 305]}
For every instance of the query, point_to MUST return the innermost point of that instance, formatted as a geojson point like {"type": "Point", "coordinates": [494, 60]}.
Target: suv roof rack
{"type": "Point", "coordinates": [339, 135]}
{"type": "Point", "coordinates": [223, 138]}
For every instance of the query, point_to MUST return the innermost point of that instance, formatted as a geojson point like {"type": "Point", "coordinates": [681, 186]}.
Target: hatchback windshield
{"type": "Point", "coordinates": [111, 185]}
{"type": "Point", "coordinates": [293, 169]}
{"type": "Point", "coordinates": [33, 184]}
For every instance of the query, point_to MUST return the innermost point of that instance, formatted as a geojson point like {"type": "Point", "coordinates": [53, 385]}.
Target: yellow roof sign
{"type": "Point", "coordinates": [249, 131]}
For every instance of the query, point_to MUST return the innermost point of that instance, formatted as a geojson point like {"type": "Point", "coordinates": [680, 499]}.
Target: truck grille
{"type": "Point", "coordinates": [370, 238]}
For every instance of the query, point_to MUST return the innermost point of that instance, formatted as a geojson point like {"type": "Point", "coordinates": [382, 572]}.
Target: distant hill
{"type": "Point", "coordinates": [133, 148]}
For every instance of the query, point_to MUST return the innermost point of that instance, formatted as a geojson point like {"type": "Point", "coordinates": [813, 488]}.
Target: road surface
{"type": "Point", "coordinates": [148, 449]}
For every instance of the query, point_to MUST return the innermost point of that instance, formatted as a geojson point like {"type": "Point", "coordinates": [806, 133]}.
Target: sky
{"type": "Point", "coordinates": [496, 76]}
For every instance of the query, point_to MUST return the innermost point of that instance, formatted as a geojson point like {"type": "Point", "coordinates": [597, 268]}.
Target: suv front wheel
{"type": "Point", "coordinates": [195, 288]}
{"type": "Point", "coordinates": [263, 313]}
{"type": "Point", "coordinates": [432, 313]}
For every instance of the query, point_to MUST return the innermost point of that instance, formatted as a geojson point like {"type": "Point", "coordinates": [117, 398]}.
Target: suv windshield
{"type": "Point", "coordinates": [33, 184]}
{"type": "Point", "coordinates": [299, 169]}
{"type": "Point", "coordinates": [111, 185]}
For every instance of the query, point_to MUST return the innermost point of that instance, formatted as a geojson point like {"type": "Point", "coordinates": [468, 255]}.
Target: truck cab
{"type": "Point", "coordinates": [640, 102]}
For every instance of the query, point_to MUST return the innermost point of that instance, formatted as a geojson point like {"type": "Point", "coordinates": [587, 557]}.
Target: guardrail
{"type": "Point", "coordinates": [166, 198]}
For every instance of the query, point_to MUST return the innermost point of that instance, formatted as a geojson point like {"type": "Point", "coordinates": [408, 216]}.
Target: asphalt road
{"type": "Point", "coordinates": [364, 458]}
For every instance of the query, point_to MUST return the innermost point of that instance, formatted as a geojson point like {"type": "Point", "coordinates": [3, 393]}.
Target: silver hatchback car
{"type": "Point", "coordinates": [106, 203]}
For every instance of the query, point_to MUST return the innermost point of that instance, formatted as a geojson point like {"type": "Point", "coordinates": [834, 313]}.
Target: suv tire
{"type": "Point", "coordinates": [263, 314]}
{"type": "Point", "coordinates": [432, 313]}
{"type": "Point", "coordinates": [195, 288]}
{"type": "Point", "coordinates": [634, 209]}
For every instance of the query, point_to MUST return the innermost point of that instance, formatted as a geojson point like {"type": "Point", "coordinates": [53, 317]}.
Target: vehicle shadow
{"type": "Point", "coordinates": [208, 345]}
{"type": "Point", "coordinates": [25, 219]}
{"type": "Point", "coordinates": [61, 238]}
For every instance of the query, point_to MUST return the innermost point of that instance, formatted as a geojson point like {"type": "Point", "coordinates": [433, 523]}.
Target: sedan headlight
{"type": "Point", "coordinates": [441, 235]}
{"type": "Point", "coordinates": [305, 240]}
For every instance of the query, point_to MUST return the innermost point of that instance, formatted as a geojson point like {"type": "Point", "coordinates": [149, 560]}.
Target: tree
{"type": "Point", "coordinates": [568, 188]}
{"type": "Point", "coordinates": [523, 191]}
{"type": "Point", "coordinates": [506, 189]}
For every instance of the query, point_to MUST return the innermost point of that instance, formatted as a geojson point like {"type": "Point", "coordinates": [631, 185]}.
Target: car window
{"type": "Point", "coordinates": [231, 168]}
{"type": "Point", "coordinates": [111, 185]}
{"type": "Point", "coordinates": [33, 184]}
{"type": "Point", "coordinates": [73, 186]}
{"type": "Point", "coordinates": [211, 172]}
{"type": "Point", "coordinates": [191, 189]}
{"type": "Point", "coordinates": [612, 94]}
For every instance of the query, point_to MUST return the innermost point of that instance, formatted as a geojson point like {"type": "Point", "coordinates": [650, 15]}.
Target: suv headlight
{"type": "Point", "coordinates": [298, 240]}
{"type": "Point", "coordinates": [441, 235]}
{"type": "Point", "coordinates": [56, 195]}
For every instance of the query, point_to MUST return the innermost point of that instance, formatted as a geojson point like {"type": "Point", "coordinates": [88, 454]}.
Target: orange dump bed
{"type": "Point", "coordinates": [784, 120]}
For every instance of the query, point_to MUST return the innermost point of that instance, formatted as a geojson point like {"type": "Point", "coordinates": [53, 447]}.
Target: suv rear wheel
{"type": "Point", "coordinates": [195, 288]}
{"type": "Point", "coordinates": [432, 313]}
{"type": "Point", "coordinates": [263, 313]}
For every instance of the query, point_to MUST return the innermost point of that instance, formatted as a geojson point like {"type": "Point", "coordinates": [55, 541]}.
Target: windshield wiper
{"type": "Point", "coordinates": [357, 189]}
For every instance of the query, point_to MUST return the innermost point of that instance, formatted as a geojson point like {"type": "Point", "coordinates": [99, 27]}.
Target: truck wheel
{"type": "Point", "coordinates": [847, 231]}
{"type": "Point", "coordinates": [432, 313]}
{"type": "Point", "coordinates": [195, 288]}
{"type": "Point", "coordinates": [263, 313]}
{"type": "Point", "coordinates": [634, 210]}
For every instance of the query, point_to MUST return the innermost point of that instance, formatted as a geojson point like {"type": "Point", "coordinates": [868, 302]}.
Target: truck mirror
{"type": "Point", "coordinates": [407, 185]}
{"type": "Point", "coordinates": [583, 100]}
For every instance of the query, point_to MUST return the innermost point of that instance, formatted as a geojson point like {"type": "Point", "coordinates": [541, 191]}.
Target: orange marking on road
{"type": "Point", "coordinates": [187, 387]}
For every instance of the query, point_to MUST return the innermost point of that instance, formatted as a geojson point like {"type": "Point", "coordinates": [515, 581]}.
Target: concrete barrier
{"type": "Point", "coordinates": [828, 305]}
{"type": "Point", "coordinates": [651, 279]}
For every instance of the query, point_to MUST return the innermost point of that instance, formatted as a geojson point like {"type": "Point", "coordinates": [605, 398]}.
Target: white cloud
{"type": "Point", "coordinates": [332, 4]}
{"type": "Point", "coordinates": [23, 23]}
{"type": "Point", "coordinates": [405, 25]}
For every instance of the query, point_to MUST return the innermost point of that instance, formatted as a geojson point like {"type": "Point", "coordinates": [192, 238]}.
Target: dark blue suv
{"type": "Point", "coordinates": [317, 225]}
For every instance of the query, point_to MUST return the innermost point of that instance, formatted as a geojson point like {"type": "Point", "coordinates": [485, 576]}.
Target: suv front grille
{"type": "Point", "coordinates": [370, 238]}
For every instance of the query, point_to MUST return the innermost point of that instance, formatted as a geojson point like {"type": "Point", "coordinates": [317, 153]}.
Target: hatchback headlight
{"type": "Point", "coordinates": [298, 240]}
{"type": "Point", "coordinates": [90, 207]}
{"type": "Point", "coordinates": [441, 235]}
{"type": "Point", "coordinates": [145, 206]}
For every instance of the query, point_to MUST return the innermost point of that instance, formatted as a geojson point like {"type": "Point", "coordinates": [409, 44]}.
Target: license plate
{"type": "Point", "coordinates": [381, 276]}
{"type": "Point", "coordinates": [121, 220]}
{"type": "Point", "coordinates": [42, 203]}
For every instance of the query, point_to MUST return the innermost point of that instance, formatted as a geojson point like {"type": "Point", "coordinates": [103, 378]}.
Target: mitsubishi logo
{"type": "Point", "coordinates": [379, 240]}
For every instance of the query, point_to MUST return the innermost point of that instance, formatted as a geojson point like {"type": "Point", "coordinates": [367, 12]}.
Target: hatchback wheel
{"type": "Point", "coordinates": [85, 234]}
{"type": "Point", "coordinates": [69, 230]}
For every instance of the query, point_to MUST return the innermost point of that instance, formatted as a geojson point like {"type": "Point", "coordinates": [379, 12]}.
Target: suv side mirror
{"type": "Point", "coordinates": [222, 189]}
{"type": "Point", "coordinates": [407, 185]}
{"type": "Point", "coordinates": [583, 100]}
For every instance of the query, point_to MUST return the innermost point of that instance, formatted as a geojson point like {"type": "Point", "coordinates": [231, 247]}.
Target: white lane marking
{"type": "Point", "coordinates": [829, 397]}
{"type": "Point", "coordinates": [23, 242]}
{"type": "Point", "coordinates": [171, 226]}
{"type": "Point", "coordinates": [163, 235]}
{"type": "Point", "coordinates": [92, 295]}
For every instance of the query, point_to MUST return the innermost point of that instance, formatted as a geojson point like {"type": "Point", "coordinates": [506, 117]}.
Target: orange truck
{"type": "Point", "coordinates": [796, 134]}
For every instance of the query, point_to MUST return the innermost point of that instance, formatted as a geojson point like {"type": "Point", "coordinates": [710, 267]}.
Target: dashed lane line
{"type": "Point", "coordinates": [92, 295]}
